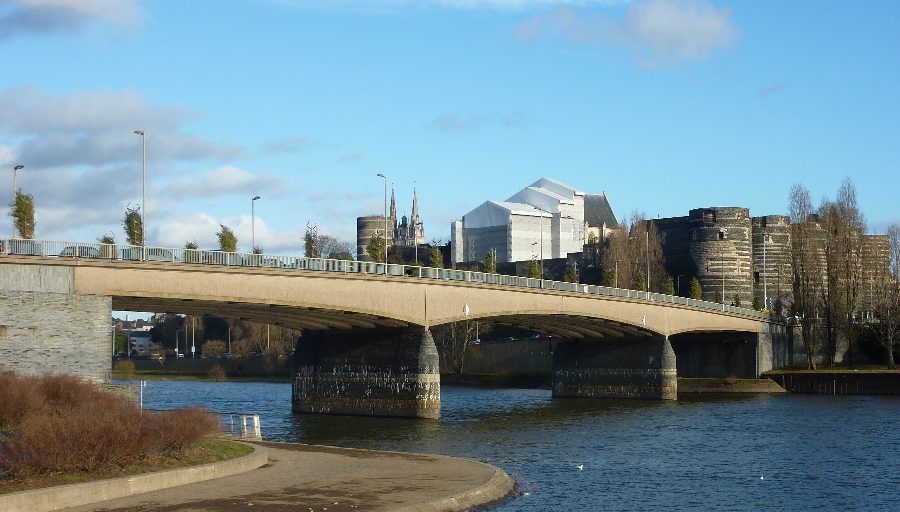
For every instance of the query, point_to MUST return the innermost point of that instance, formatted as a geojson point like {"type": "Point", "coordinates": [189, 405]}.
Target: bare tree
{"type": "Point", "coordinates": [453, 339]}
{"type": "Point", "coordinates": [616, 264]}
{"type": "Point", "coordinates": [628, 253]}
{"type": "Point", "coordinates": [807, 272]}
{"type": "Point", "coordinates": [886, 296]}
{"type": "Point", "coordinates": [851, 231]}
{"type": "Point", "coordinates": [829, 294]}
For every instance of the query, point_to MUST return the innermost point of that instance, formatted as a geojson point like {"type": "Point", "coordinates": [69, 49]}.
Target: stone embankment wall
{"type": "Point", "coordinates": [46, 328]}
{"type": "Point", "coordinates": [840, 383]}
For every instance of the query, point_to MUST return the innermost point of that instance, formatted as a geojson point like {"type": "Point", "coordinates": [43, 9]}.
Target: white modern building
{"type": "Point", "coordinates": [545, 220]}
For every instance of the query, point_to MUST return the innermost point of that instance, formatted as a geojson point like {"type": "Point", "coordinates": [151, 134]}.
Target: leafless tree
{"type": "Point", "coordinates": [453, 340]}
{"type": "Point", "coordinates": [807, 270]}
{"type": "Point", "coordinates": [886, 296]}
{"type": "Point", "coordinates": [851, 234]}
{"type": "Point", "coordinates": [634, 247]}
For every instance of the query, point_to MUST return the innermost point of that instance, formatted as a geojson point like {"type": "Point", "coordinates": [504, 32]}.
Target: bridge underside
{"type": "Point", "coordinates": [294, 317]}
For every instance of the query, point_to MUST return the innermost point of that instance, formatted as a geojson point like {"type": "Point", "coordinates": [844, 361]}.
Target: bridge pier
{"type": "Point", "coordinates": [45, 327]}
{"type": "Point", "coordinates": [623, 368]}
{"type": "Point", "coordinates": [388, 372]}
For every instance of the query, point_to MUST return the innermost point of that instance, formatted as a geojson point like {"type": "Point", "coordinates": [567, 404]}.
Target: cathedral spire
{"type": "Point", "coordinates": [393, 208]}
{"type": "Point", "coordinates": [415, 209]}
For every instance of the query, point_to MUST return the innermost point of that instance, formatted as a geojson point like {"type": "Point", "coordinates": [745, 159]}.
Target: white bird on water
{"type": "Point", "coordinates": [580, 467]}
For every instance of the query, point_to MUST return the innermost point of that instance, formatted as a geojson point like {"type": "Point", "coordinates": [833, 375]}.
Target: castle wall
{"type": "Point", "coordinates": [772, 268]}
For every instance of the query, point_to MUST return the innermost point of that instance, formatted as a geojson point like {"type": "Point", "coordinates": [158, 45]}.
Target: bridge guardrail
{"type": "Point", "coordinates": [123, 252]}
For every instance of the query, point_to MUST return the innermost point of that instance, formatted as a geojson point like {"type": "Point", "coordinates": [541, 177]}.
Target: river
{"type": "Point", "coordinates": [703, 452]}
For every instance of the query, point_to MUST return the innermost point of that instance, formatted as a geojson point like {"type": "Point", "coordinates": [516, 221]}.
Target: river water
{"type": "Point", "coordinates": [703, 452]}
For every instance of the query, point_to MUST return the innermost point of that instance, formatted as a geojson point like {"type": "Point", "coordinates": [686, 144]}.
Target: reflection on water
{"type": "Point", "coordinates": [759, 452]}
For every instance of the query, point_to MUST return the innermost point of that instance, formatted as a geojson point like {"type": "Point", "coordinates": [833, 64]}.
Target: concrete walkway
{"type": "Point", "coordinates": [308, 477]}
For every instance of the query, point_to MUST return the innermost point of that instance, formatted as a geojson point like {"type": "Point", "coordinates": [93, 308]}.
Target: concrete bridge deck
{"type": "Point", "coordinates": [354, 313]}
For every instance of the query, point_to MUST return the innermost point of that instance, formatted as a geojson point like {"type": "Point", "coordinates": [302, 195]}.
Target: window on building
{"type": "Point", "coordinates": [721, 235]}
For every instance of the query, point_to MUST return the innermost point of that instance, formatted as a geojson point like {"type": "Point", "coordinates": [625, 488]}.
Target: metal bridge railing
{"type": "Point", "coordinates": [118, 252]}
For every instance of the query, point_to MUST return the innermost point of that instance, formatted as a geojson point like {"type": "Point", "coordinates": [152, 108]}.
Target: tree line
{"type": "Point", "coordinates": [833, 260]}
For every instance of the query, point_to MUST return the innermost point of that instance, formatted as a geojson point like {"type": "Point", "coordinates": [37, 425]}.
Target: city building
{"type": "Point", "coordinates": [545, 220]}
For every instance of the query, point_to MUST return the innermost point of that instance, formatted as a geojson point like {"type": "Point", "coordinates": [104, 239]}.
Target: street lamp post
{"type": "Point", "coordinates": [144, 200]}
{"type": "Point", "coordinates": [385, 221]}
{"type": "Point", "coordinates": [647, 281]}
{"type": "Point", "coordinates": [616, 285]}
{"type": "Point", "coordinates": [765, 271]}
{"type": "Point", "coordinates": [253, 223]}
{"type": "Point", "coordinates": [15, 171]}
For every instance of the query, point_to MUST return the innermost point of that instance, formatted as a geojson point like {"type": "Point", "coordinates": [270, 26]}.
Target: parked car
{"type": "Point", "coordinates": [150, 254]}
{"type": "Point", "coordinates": [82, 252]}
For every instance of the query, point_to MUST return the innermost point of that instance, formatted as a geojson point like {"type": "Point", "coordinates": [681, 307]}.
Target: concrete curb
{"type": "Point", "coordinates": [73, 495]}
{"type": "Point", "coordinates": [498, 487]}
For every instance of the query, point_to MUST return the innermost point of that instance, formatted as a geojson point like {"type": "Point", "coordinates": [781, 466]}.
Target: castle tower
{"type": "Point", "coordinates": [720, 245]}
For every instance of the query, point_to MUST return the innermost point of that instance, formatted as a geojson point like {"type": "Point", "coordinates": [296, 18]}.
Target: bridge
{"type": "Point", "coordinates": [366, 346]}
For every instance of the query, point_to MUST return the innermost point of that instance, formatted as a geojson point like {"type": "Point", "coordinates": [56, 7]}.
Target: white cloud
{"type": "Point", "coordinates": [226, 180]}
{"type": "Point", "coordinates": [96, 128]}
{"type": "Point", "coordinates": [660, 33]}
{"type": "Point", "coordinates": [72, 16]}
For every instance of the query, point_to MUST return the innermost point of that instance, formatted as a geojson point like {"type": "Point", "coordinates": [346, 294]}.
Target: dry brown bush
{"type": "Point", "coordinates": [19, 397]}
{"type": "Point", "coordinates": [69, 425]}
{"type": "Point", "coordinates": [216, 373]}
{"type": "Point", "coordinates": [124, 367]}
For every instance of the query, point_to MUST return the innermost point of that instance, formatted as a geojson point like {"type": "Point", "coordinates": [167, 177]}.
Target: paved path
{"type": "Point", "coordinates": [308, 477]}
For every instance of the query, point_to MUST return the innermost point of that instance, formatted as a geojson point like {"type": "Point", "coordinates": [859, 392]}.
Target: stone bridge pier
{"type": "Point", "coordinates": [631, 367]}
{"type": "Point", "coordinates": [383, 372]}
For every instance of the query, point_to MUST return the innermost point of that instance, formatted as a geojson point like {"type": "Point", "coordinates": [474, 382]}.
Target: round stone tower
{"type": "Point", "coordinates": [772, 258]}
{"type": "Point", "coordinates": [368, 228]}
{"type": "Point", "coordinates": [720, 247]}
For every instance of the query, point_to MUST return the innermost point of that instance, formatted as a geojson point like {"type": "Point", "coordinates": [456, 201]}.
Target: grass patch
{"type": "Point", "coordinates": [838, 368]}
{"type": "Point", "coordinates": [206, 452]}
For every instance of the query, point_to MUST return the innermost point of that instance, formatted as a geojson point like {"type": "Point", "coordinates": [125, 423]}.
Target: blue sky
{"type": "Point", "coordinates": [666, 105]}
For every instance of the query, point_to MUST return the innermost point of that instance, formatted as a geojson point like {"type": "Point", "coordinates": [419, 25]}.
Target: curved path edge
{"type": "Point", "coordinates": [499, 487]}
{"type": "Point", "coordinates": [73, 495]}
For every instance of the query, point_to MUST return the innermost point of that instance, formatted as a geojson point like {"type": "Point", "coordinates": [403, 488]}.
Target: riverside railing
{"type": "Point", "coordinates": [118, 252]}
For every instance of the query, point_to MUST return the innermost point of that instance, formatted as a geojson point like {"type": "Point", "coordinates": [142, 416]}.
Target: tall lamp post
{"type": "Point", "coordinates": [144, 200]}
{"type": "Point", "coordinates": [385, 221]}
{"type": "Point", "coordinates": [647, 282]}
{"type": "Point", "coordinates": [253, 223]}
{"type": "Point", "coordinates": [15, 170]}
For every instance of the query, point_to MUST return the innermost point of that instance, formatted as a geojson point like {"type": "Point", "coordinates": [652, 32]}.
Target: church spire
{"type": "Point", "coordinates": [393, 207]}
{"type": "Point", "coordinates": [415, 209]}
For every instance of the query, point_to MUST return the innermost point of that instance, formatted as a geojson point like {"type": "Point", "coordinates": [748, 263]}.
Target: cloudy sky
{"type": "Point", "coordinates": [666, 105]}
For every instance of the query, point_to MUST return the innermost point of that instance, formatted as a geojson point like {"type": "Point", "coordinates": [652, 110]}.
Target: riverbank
{"type": "Point", "coordinates": [308, 477]}
{"type": "Point", "coordinates": [728, 385]}
{"type": "Point", "coordinates": [863, 380]}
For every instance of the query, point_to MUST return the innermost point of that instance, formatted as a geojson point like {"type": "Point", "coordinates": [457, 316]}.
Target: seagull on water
{"type": "Point", "coordinates": [580, 467]}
